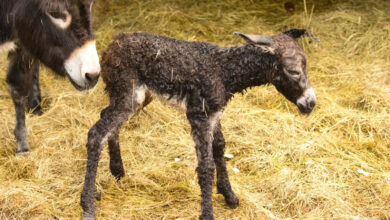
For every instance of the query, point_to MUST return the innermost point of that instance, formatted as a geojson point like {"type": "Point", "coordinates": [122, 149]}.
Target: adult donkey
{"type": "Point", "coordinates": [57, 33]}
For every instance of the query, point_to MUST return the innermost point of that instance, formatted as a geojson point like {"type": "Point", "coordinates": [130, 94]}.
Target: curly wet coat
{"type": "Point", "coordinates": [198, 77]}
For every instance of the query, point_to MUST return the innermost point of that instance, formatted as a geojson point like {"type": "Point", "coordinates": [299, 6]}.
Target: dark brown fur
{"type": "Point", "coordinates": [200, 77]}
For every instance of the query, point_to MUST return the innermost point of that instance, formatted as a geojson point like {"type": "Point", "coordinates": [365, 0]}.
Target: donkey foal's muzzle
{"type": "Point", "coordinates": [307, 101]}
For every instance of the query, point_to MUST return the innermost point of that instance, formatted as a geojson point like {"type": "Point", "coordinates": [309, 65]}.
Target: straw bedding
{"type": "Point", "coordinates": [334, 163]}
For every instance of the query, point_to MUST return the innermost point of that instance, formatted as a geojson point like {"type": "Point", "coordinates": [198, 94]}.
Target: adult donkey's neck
{"type": "Point", "coordinates": [244, 67]}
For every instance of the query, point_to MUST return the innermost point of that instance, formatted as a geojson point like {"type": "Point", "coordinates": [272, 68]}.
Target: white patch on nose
{"type": "Point", "coordinates": [60, 22]}
{"type": "Point", "coordinates": [83, 60]}
{"type": "Point", "coordinates": [7, 47]}
{"type": "Point", "coordinates": [308, 94]}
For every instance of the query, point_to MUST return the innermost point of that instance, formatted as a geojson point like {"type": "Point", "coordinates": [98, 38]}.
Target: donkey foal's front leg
{"type": "Point", "coordinates": [111, 118]}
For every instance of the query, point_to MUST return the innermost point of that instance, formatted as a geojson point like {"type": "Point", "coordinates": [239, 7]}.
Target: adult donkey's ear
{"type": "Point", "coordinates": [255, 39]}
{"type": "Point", "coordinates": [298, 33]}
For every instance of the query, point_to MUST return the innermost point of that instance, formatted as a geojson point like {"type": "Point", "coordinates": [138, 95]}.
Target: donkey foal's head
{"type": "Point", "coordinates": [290, 74]}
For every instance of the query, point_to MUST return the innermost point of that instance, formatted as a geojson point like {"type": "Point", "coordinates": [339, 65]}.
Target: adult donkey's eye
{"type": "Point", "coordinates": [58, 15]}
{"type": "Point", "coordinates": [60, 19]}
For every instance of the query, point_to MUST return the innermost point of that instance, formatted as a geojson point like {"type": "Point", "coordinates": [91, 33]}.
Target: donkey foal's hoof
{"type": "Point", "coordinates": [88, 217]}
{"type": "Point", "coordinates": [117, 171]}
{"type": "Point", "coordinates": [37, 112]}
{"type": "Point", "coordinates": [206, 217]}
{"type": "Point", "coordinates": [35, 108]}
{"type": "Point", "coordinates": [24, 151]}
{"type": "Point", "coordinates": [232, 202]}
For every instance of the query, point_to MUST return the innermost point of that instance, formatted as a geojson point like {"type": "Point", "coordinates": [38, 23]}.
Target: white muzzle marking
{"type": "Point", "coordinates": [83, 60]}
{"type": "Point", "coordinates": [7, 47]}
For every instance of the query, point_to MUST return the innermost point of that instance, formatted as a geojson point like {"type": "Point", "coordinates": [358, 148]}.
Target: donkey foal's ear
{"type": "Point", "coordinates": [255, 39]}
{"type": "Point", "coordinates": [298, 33]}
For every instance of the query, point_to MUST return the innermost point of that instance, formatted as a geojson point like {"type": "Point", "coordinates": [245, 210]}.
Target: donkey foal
{"type": "Point", "coordinates": [200, 78]}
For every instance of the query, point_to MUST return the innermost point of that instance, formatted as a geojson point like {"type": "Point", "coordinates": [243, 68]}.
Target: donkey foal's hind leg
{"type": "Point", "coordinates": [110, 121]}
{"type": "Point", "coordinates": [116, 164]}
{"type": "Point", "coordinates": [223, 183]}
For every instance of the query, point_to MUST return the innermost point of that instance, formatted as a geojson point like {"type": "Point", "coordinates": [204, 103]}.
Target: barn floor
{"type": "Point", "coordinates": [333, 164]}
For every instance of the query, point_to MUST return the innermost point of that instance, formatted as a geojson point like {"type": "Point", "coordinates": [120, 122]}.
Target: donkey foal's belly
{"type": "Point", "coordinates": [173, 101]}
{"type": "Point", "coordinates": [7, 47]}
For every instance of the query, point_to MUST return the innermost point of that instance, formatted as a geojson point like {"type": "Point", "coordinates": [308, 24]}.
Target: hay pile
{"type": "Point", "coordinates": [333, 164]}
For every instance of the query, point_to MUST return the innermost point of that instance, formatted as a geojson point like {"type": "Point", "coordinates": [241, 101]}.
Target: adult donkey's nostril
{"type": "Point", "coordinates": [91, 79]}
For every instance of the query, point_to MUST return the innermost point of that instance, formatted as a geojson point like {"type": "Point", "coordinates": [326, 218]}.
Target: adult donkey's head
{"type": "Point", "coordinates": [59, 34]}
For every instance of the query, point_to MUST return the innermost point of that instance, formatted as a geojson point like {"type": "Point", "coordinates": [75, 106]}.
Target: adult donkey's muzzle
{"type": "Point", "coordinates": [307, 101]}
{"type": "Point", "coordinates": [83, 66]}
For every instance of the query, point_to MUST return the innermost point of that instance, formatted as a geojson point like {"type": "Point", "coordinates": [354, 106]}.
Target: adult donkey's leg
{"type": "Point", "coordinates": [223, 183]}
{"type": "Point", "coordinates": [19, 78]}
{"type": "Point", "coordinates": [34, 97]}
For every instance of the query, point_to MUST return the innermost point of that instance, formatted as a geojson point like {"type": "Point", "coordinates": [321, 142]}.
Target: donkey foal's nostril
{"type": "Point", "coordinates": [312, 104]}
{"type": "Point", "coordinates": [300, 106]}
